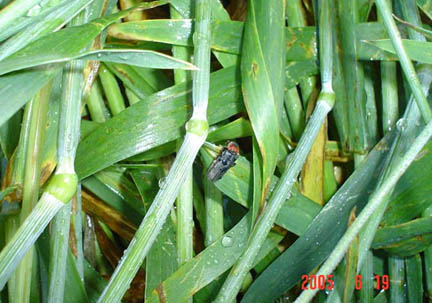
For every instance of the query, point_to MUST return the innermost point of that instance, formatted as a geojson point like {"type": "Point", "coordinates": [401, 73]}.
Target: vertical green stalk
{"type": "Point", "coordinates": [404, 60]}
{"type": "Point", "coordinates": [196, 133]}
{"type": "Point", "coordinates": [181, 52]}
{"type": "Point", "coordinates": [33, 156]}
{"type": "Point", "coordinates": [293, 105]}
{"type": "Point", "coordinates": [62, 185]}
{"type": "Point", "coordinates": [17, 179]}
{"type": "Point", "coordinates": [78, 229]}
{"type": "Point", "coordinates": [96, 105]}
{"type": "Point", "coordinates": [184, 202]}
{"type": "Point", "coordinates": [367, 274]}
{"type": "Point", "coordinates": [378, 197]}
{"type": "Point", "coordinates": [214, 228]}
{"type": "Point", "coordinates": [397, 279]}
{"type": "Point", "coordinates": [341, 109]}
{"type": "Point", "coordinates": [58, 254]}
{"type": "Point", "coordinates": [414, 278]}
{"type": "Point", "coordinates": [295, 112]}
{"type": "Point", "coordinates": [185, 221]}
{"type": "Point", "coordinates": [296, 18]}
{"type": "Point", "coordinates": [428, 262]}
{"type": "Point", "coordinates": [371, 108]}
{"type": "Point", "coordinates": [68, 141]}
{"type": "Point", "coordinates": [131, 96]}
{"type": "Point", "coordinates": [112, 90]}
{"type": "Point", "coordinates": [358, 139]}
{"type": "Point", "coordinates": [282, 191]}
{"type": "Point", "coordinates": [389, 92]}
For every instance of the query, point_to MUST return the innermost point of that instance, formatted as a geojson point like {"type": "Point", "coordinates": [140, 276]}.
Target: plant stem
{"type": "Point", "coordinates": [404, 60]}
{"type": "Point", "coordinates": [295, 112]}
{"type": "Point", "coordinates": [185, 223]}
{"type": "Point", "coordinates": [77, 224]}
{"type": "Point", "coordinates": [389, 92]}
{"type": "Point", "coordinates": [62, 185]}
{"type": "Point", "coordinates": [17, 179]}
{"type": "Point", "coordinates": [33, 156]}
{"type": "Point", "coordinates": [58, 254]}
{"type": "Point", "coordinates": [414, 278]}
{"type": "Point", "coordinates": [396, 269]}
{"type": "Point", "coordinates": [375, 200]}
{"type": "Point", "coordinates": [96, 105]}
{"type": "Point", "coordinates": [131, 96]}
{"type": "Point", "coordinates": [358, 138]}
{"type": "Point", "coordinates": [69, 131]}
{"type": "Point", "coordinates": [282, 191]}
{"type": "Point", "coordinates": [27, 234]}
{"type": "Point", "coordinates": [398, 147]}
{"type": "Point", "coordinates": [214, 228]}
{"type": "Point", "coordinates": [112, 90]}
{"type": "Point", "coordinates": [367, 290]}
{"type": "Point", "coordinates": [196, 132]}
{"type": "Point", "coordinates": [296, 18]}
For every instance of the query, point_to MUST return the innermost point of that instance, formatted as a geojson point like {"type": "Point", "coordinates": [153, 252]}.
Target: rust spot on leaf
{"type": "Point", "coordinates": [121, 71]}
{"type": "Point", "coordinates": [254, 70]}
{"type": "Point", "coordinates": [421, 154]}
{"type": "Point", "coordinates": [161, 294]}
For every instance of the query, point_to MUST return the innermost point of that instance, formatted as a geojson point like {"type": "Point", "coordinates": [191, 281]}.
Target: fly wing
{"type": "Point", "coordinates": [216, 170]}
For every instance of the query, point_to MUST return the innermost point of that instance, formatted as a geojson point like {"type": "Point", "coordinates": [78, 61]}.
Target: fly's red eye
{"type": "Point", "coordinates": [232, 146]}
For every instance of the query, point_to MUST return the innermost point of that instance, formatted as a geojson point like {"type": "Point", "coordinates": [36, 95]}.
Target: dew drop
{"type": "Point", "coordinates": [35, 10]}
{"type": "Point", "coordinates": [401, 124]}
{"type": "Point", "coordinates": [227, 241]}
{"type": "Point", "coordinates": [162, 182]}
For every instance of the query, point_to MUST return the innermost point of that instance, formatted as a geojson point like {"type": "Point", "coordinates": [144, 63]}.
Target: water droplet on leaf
{"type": "Point", "coordinates": [227, 241]}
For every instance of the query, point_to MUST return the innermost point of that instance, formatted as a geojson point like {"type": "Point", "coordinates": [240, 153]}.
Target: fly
{"type": "Point", "coordinates": [223, 162]}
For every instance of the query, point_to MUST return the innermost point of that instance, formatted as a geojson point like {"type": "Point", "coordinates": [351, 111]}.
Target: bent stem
{"type": "Point", "coordinates": [196, 133]}
{"type": "Point", "coordinates": [378, 197]}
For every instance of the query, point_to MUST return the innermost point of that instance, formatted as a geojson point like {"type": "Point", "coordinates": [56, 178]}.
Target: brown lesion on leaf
{"type": "Point", "coordinates": [255, 70]}
{"type": "Point", "coordinates": [113, 31]}
{"type": "Point", "coordinates": [421, 154]}
{"type": "Point", "coordinates": [292, 39]}
{"type": "Point", "coordinates": [124, 74]}
{"type": "Point", "coordinates": [115, 220]}
{"type": "Point", "coordinates": [46, 171]}
{"type": "Point", "coordinates": [161, 294]}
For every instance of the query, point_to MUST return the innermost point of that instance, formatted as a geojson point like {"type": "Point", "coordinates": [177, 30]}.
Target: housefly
{"type": "Point", "coordinates": [224, 161]}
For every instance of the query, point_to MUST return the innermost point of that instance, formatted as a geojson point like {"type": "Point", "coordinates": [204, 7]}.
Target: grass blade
{"type": "Point", "coordinates": [142, 58]}
{"type": "Point", "coordinates": [258, 64]}
{"type": "Point", "coordinates": [141, 135]}
{"type": "Point", "coordinates": [196, 132]}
